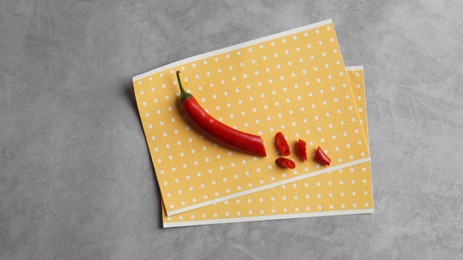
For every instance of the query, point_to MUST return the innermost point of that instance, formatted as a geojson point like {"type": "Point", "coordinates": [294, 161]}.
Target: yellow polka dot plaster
{"type": "Point", "coordinates": [294, 82]}
{"type": "Point", "coordinates": [341, 192]}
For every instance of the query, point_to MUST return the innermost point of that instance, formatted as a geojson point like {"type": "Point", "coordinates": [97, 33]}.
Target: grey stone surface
{"type": "Point", "coordinates": [76, 181]}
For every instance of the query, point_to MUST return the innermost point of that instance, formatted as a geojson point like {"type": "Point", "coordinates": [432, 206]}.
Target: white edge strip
{"type": "Point", "coordinates": [232, 48]}
{"type": "Point", "coordinates": [353, 68]}
{"type": "Point", "coordinates": [271, 185]}
{"type": "Point", "coordinates": [271, 217]}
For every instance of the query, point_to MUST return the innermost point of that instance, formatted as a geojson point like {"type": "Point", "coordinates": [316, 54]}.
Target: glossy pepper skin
{"type": "Point", "coordinates": [285, 163]}
{"type": "Point", "coordinates": [302, 149]}
{"type": "Point", "coordinates": [321, 157]}
{"type": "Point", "coordinates": [216, 130]}
{"type": "Point", "coordinates": [282, 144]}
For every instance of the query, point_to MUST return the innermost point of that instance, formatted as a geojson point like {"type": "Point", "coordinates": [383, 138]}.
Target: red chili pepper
{"type": "Point", "coordinates": [321, 157]}
{"type": "Point", "coordinates": [282, 144]}
{"type": "Point", "coordinates": [302, 149]}
{"type": "Point", "coordinates": [216, 130]}
{"type": "Point", "coordinates": [285, 163]}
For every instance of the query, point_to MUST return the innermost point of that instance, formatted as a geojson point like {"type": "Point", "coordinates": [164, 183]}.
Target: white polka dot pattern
{"type": "Point", "coordinates": [340, 191]}
{"type": "Point", "coordinates": [237, 88]}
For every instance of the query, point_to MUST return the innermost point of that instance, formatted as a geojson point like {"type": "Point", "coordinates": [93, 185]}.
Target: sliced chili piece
{"type": "Point", "coordinates": [285, 163]}
{"type": "Point", "coordinates": [216, 130]}
{"type": "Point", "coordinates": [302, 149]}
{"type": "Point", "coordinates": [282, 144]}
{"type": "Point", "coordinates": [321, 157]}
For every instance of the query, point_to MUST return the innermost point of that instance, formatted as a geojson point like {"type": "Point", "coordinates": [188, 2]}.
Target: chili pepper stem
{"type": "Point", "coordinates": [183, 94]}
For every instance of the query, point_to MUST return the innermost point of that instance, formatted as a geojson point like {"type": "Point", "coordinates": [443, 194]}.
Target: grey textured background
{"type": "Point", "coordinates": [75, 174]}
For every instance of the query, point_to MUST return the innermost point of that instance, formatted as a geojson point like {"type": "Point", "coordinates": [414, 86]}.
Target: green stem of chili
{"type": "Point", "coordinates": [183, 94]}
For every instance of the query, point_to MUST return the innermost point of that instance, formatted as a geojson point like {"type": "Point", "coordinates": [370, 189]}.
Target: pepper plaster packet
{"type": "Point", "coordinates": [341, 192]}
{"type": "Point", "coordinates": [294, 82]}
